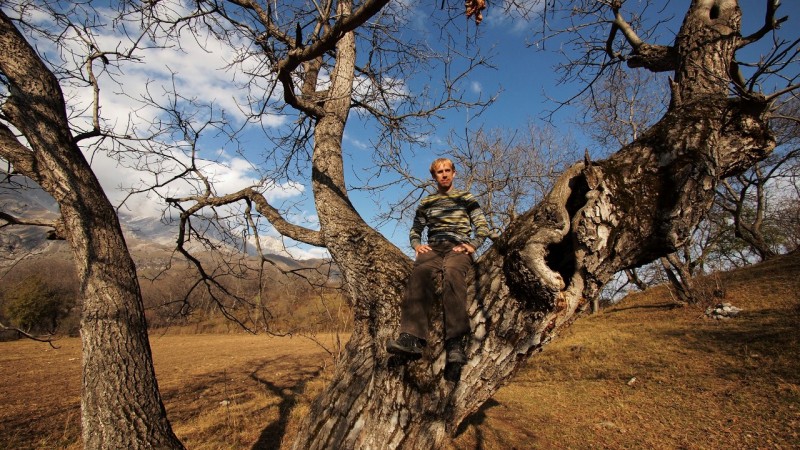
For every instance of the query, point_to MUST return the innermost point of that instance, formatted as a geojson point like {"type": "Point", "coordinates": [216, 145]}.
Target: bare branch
{"type": "Point", "coordinates": [781, 92]}
{"type": "Point", "coordinates": [770, 23]}
{"type": "Point", "coordinates": [48, 338]}
{"type": "Point", "coordinates": [619, 23]}
{"type": "Point", "coordinates": [57, 232]}
{"type": "Point", "coordinates": [20, 157]}
{"type": "Point", "coordinates": [296, 232]}
{"type": "Point", "coordinates": [325, 43]}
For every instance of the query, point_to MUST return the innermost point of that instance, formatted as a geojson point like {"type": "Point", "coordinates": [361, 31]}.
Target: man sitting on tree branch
{"type": "Point", "coordinates": [451, 216]}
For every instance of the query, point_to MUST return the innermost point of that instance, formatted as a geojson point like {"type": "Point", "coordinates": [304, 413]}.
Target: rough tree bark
{"type": "Point", "coordinates": [601, 217]}
{"type": "Point", "coordinates": [120, 403]}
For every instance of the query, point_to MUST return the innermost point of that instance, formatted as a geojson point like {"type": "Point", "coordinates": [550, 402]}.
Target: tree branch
{"type": "Point", "coordinates": [21, 157]}
{"type": "Point", "coordinates": [770, 23]}
{"type": "Point", "coordinates": [777, 94]}
{"type": "Point", "coordinates": [44, 338]}
{"type": "Point", "coordinates": [627, 31]}
{"type": "Point", "coordinates": [325, 43]}
{"type": "Point", "coordinates": [58, 232]}
{"type": "Point", "coordinates": [284, 227]}
{"type": "Point", "coordinates": [656, 58]}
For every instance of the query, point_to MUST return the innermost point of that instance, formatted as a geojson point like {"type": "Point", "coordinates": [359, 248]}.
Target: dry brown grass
{"type": "Point", "coordinates": [699, 383]}
{"type": "Point", "coordinates": [231, 391]}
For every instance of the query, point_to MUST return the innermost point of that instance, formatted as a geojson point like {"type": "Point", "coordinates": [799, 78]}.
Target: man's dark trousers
{"type": "Point", "coordinates": [421, 292]}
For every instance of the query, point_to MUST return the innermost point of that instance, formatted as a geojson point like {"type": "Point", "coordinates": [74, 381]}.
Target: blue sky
{"type": "Point", "coordinates": [527, 81]}
{"type": "Point", "coordinates": [524, 79]}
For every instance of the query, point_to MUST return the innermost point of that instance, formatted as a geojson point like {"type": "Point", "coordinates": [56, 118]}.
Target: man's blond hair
{"type": "Point", "coordinates": [440, 161]}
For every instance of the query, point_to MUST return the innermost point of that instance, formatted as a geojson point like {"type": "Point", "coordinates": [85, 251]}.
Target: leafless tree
{"type": "Point", "coordinates": [787, 219]}
{"type": "Point", "coordinates": [759, 198]}
{"type": "Point", "coordinates": [600, 217]}
{"type": "Point", "coordinates": [120, 397]}
{"type": "Point", "coordinates": [510, 171]}
{"type": "Point", "coordinates": [626, 103]}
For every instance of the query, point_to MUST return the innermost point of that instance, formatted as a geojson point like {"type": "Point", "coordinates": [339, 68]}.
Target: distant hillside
{"type": "Point", "coordinates": [149, 239]}
{"type": "Point", "coordinates": [284, 292]}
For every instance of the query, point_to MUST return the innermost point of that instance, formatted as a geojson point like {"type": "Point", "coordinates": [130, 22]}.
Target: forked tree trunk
{"type": "Point", "coordinates": [680, 278]}
{"type": "Point", "coordinates": [752, 231]}
{"type": "Point", "coordinates": [120, 403]}
{"type": "Point", "coordinates": [600, 218]}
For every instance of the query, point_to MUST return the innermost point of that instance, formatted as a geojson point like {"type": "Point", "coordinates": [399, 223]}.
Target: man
{"type": "Point", "coordinates": [451, 216]}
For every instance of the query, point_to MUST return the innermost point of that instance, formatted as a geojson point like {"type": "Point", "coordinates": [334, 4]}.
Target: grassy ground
{"type": "Point", "coordinates": [221, 391]}
{"type": "Point", "coordinates": [642, 374]}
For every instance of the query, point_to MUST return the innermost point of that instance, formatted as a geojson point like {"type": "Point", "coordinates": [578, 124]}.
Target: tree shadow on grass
{"type": "Point", "coordinates": [477, 420]}
{"type": "Point", "coordinates": [766, 334]}
{"type": "Point", "coordinates": [287, 389]}
{"type": "Point", "coordinates": [658, 306]}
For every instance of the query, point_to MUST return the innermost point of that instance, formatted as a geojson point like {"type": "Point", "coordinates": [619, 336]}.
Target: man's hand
{"type": "Point", "coordinates": [422, 248]}
{"type": "Point", "coordinates": [464, 248]}
{"type": "Point", "coordinates": [460, 248]}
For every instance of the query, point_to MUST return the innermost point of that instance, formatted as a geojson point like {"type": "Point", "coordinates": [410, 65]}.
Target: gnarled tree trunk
{"type": "Point", "coordinates": [600, 218]}
{"type": "Point", "coordinates": [120, 403]}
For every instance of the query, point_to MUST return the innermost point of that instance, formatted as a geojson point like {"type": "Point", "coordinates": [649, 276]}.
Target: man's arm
{"type": "Point", "coordinates": [479, 224]}
{"type": "Point", "coordinates": [415, 234]}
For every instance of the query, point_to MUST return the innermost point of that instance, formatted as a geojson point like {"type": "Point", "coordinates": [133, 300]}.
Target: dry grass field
{"type": "Point", "coordinates": [642, 374]}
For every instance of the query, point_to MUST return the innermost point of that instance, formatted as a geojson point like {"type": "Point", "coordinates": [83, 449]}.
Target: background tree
{"type": "Point", "coordinates": [120, 403]}
{"type": "Point", "coordinates": [35, 307]}
{"type": "Point", "coordinates": [745, 199]}
{"type": "Point", "coordinates": [756, 200]}
{"type": "Point", "coordinates": [510, 172]}
{"type": "Point", "coordinates": [621, 105]}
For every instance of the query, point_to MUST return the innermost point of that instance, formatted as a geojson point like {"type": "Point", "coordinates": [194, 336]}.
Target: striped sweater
{"type": "Point", "coordinates": [450, 217]}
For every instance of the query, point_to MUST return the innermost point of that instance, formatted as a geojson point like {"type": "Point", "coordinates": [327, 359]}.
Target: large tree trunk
{"type": "Point", "coordinates": [600, 218]}
{"type": "Point", "coordinates": [120, 403]}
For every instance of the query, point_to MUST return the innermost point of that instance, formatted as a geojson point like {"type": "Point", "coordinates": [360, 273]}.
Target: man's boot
{"type": "Point", "coordinates": [455, 351]}
{"type": "Point", "coordinates": [406, 345]}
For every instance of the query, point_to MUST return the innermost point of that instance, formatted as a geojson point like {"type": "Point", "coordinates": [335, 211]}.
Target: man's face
{"type": "Point", "coordinates": [443, 174]}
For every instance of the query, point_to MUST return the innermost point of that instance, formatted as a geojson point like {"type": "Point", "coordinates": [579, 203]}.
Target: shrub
{"type": "Point", "coordinates": [34, 306]}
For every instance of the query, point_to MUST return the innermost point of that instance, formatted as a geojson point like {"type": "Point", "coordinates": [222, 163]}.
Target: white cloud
{"type": "Point", "coordinates": [228, 175]}
{"type": "Point", "coordinates": [514, 17]}
{"type": "Point", "coordinates": [281, 246]}
{"type": "Point", "coordinates": [476, 87]}
{"type": "Point", "coordinates": [356, 142]}
{"type": "Point", "coordinates": [196, 71]}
